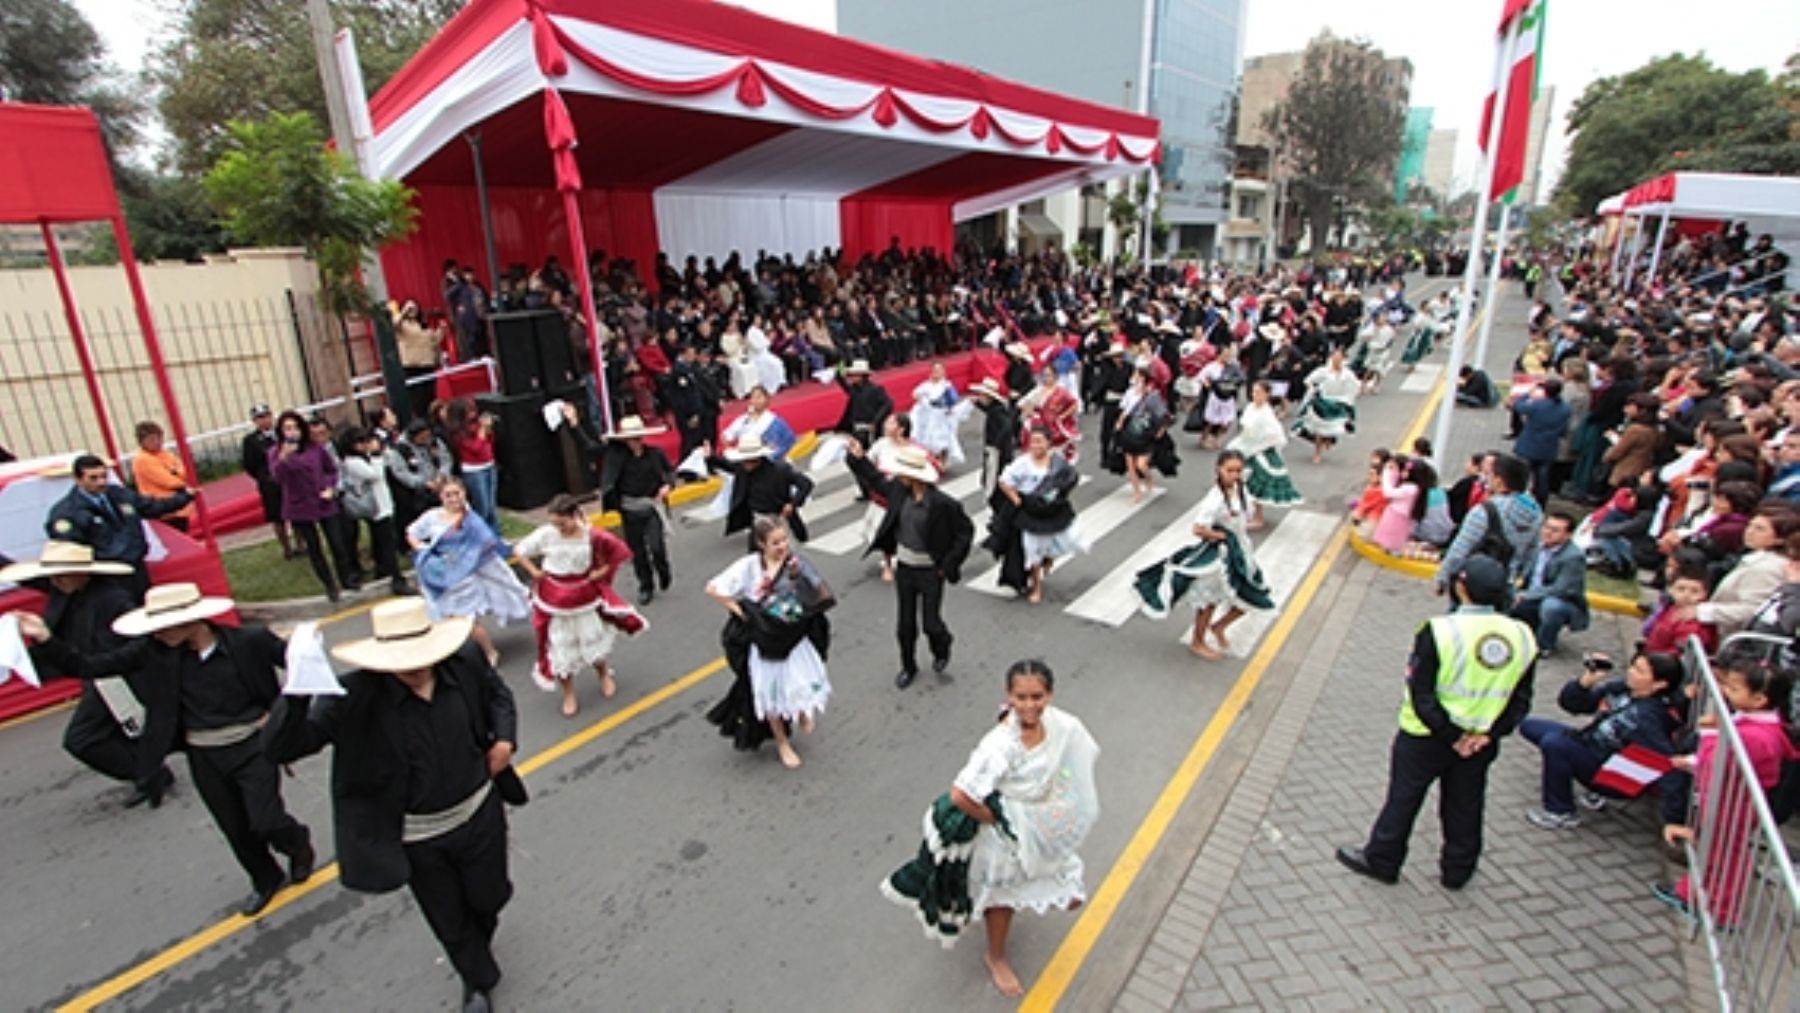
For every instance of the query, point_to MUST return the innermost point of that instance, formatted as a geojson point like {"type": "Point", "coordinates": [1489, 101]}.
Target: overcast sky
{"type": "Point", "coordinates": [1449, 42]}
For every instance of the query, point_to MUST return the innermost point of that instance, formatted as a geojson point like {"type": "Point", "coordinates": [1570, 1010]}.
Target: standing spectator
{"type": "Point", "coordinates": [471, 438]}
{"type": "Point", "coordinates": [1555, 592]}
{"type": "Point", "coordinates": [417, 468]}
{"type": "Point", "coordinates": [308, 476]}
{"type": "Point", "coordinates": [1543, 419]}
{"type": "Point", "coordinates": [1503, 527]}
{"type": "Point", "coordinates": [694, 400]}
{"type": "Point", "coordinates": [255, 460]}
{"type": "Point", "coordinates": [367, 498]}
{"type": "Point", "coordinates": [158, 474]}
{"type": "Point", "coordinates": [1459, 703]}
{"type": "Point", "coordinates": [420, 353]}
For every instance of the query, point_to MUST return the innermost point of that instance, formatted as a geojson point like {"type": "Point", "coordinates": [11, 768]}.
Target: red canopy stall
{"type": "Point", "coordinates": [694, 127]}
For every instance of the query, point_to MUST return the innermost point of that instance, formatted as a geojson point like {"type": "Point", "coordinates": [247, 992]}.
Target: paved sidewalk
{"type": "Point", "coordinates": [1267, 918]}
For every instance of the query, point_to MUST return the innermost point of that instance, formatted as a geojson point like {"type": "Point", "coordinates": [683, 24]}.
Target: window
{"type": "Point", "coordinates": [1249, 205]}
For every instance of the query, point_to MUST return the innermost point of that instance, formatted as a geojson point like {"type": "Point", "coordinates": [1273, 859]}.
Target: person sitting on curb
{"type": "Point", "coordinates": [1474, 389]}
{"type": "Point", "coordinates": [1555, 591]}
{"type": "Point", "coordinates": [1630, 711]}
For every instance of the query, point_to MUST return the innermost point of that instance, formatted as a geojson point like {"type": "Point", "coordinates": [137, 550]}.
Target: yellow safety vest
{"type": "Point", "coordinates": [1481, 658]}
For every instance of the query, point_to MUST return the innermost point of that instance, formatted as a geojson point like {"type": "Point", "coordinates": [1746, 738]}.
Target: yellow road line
{"type": "Point", "coordinates": [25, 719]}
{"type": "Point", "coordinates": [1069, 957]}
{"type": "Point", "coordinates": [193, 945]}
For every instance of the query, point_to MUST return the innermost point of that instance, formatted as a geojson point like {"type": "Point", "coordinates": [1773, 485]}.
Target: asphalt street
{"type": "Point", "coordinates": [656, 868]}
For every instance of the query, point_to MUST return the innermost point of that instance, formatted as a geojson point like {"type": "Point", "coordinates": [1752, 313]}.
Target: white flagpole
{"type": "Point", "coordinates": [1492, 292]}
{"type": "Point", "coordinates": [1440, 440]}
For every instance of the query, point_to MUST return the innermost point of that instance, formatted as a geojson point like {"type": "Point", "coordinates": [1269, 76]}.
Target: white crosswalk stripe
{"type": "Point", "coordinates": [1095, 522]}
{"type": "Point", "coordinates": [1421, 379]}
{"type": "Point", "coordinates": [1285, 556]}
{"type": "Point", "coordinates": [1112, 600]}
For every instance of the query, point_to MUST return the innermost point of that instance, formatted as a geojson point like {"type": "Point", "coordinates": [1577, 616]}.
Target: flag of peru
{"type": "Point", "coordinates": [1521, 44]}
{"type": "Point", "coordinates": [1630, 770]}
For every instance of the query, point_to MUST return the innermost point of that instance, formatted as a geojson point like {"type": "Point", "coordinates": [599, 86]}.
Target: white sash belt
{"type": "Point", "coordinates": [424, 826]}
{"type": "Point", "coordinates": [230, 735]}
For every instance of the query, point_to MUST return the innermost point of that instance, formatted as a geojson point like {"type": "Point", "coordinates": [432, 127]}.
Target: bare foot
{"type": "Point", "coordinates": [1218, 633]}
{"type": "Point", "coordinates": [569, 704]}
{"type": "Point", "coordinates": [1201, 648]}
{"type": "Point", "coordinates": [789, 758]}
{"type": "Point", "coordinates": [1136, 498]}
{"type": "Point", "coordinates": [1036, 597]}
{"type": "Point", "coordinates": [607, 686]}
{"type": "Point", "coordinates": [1256, 525]}
{"type": "Point", "coordinates": [1004, 978]}
{"type": "Point", "coordinates": [806, 724]}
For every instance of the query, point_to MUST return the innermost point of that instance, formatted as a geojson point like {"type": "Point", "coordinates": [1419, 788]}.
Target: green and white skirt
{"type": "Point", "coordinates": [1419, 347]}
{"type": "Point", "coordinates": [1267, 480]}
{"type": "Point", "coordinates": [1321, 418]}
{"type": "Point", "coordinates": [1204, 573]}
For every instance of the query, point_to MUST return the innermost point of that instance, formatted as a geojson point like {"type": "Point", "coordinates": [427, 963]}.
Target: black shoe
{"type": "Point", "coordinates": [477, 1000]}
{"type": "Point", "coordinates": [905, 678]}
{"type": "Point", "coordinates": [153, 794]}
{"type": "Point", "coordinates": [400, 587]}
{"type": "Point", "coordinates": [646, 595]}
{"type": "Point", "coordinates": [301, 861]}
{"type": "Point", "coordinates": [353, 584]}
{"type": "Point", "coordinates": [663, 581]}
{"type": "Point", "coordinates": [259, 900]}
{"type": "Point", "coordinates": [939, 664]}
{"type": "Point", "coordinates": [1455, 882]}
{"type": "Point", "coordinates": [1357, 862]}
{"type": "Point", "coordinates": [331, 594]}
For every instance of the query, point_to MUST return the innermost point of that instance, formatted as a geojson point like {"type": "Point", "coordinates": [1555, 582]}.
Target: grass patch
{"type": "Point", "coordinates": [259, 574]}
{"type": "Point", "coordinates": [1600, 583]}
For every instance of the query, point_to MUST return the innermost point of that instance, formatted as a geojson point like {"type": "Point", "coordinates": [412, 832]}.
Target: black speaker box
{"type": "Point", "coordinates": [516, 352]}
{"type": "Point", "coordinates": [558, 365]}
{"type": "Point", "coordinates": [525, 450]}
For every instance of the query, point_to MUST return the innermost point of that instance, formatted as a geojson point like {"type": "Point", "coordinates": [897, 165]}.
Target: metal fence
{"type": "Point", "coordinates": [1742, 887]}
{"type": "Point", "coordinates": [222, 356]}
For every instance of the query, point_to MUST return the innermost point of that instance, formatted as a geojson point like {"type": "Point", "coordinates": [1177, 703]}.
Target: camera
{"type": "Point", "coordinates": [1594, 661]}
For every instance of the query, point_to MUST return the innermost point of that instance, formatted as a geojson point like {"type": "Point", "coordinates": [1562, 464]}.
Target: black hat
{"type": "Point", "coordinates": [1485, 580]}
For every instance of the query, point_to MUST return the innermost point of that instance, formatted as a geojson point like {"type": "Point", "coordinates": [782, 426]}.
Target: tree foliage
{"type": "Point", "coordinates": [1338, 130]}
{"type": "Point", "coordinates": [246, 59]}
{"type": "Point", "coordinates": [1678, 112]}
{"type": "Point", "coordinates": [51, 54]}
{"type": "Point", "coordinates": [278, 185]}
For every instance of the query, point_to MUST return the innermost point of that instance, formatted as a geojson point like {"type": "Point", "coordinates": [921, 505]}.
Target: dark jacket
{"type": "Point", "coordinates": [256, 652]}
{"type": "Point", "coordinates": [792, 487]}
{"type": "Point", "coordinates": [949, 533]}
{"type": "Point", "coordinates": [1000, 425]}
{"type": "Point", "coordinates": [1565, 579]}
{"type": "Point", "coordinates": [75, 518]}
{"type": "Point", "coordinates": [1623, 719]}
{"type": "Point", "coordinates": [255, 456]}
{"type": "Point", "coordinates": [1542, 423]}
{"type": "Point", "coordinates": [868, 405]}
{"type": "Point", "coordinates": [368, 765]}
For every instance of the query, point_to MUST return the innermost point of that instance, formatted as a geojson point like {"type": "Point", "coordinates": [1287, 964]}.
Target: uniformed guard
{"type": "Point", "coordinates": [108, 517]}
{"type": "Point", "coordinates": [1468, 684]}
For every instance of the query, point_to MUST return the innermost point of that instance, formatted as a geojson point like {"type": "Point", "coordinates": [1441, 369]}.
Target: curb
{"type": "Point", "coordinates": [1420, 569]}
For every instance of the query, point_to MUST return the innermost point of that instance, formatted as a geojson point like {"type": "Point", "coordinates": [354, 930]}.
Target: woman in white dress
{"type": "Point", "coordinates": [936, 412]}
{"type": "Point", "coordinates": [1219, 570]}
{"type": "Point", "coordinates": [761, 422]}
{"type": "Point", "coordinates": [1260, 439]}
{"type": "Point", "coordinates": [1029, 784]}
{"type": "Point", "coordinates": [770, 373]}
{"type": "Point", "coordinates": [1041, 520]}
{"type": "Point", "coordinates": [1328, 411]}
{"type": "Point", "coordinates": [1220, 380]}
{"type": "Point", "coordinates": [574, 609]}
{"type": "Point", "coordinates": [460, 563]}
{"type": "Point", "coordinates": [776, 643]}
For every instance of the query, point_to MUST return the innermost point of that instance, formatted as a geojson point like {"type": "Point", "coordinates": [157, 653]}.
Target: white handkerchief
{"type": "Point", "coordinates": [553, 415]}
{"type": "Point", "coordinates": [830, 451]}
{"type": "Point", "coordinates": [308, 670]}
{"type": "Point", "coordinates": [13, 655]}
{"type": "Point", "coordinates": [694, 464]}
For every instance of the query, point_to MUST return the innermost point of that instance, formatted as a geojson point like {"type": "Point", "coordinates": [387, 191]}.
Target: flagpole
{"type": "Point", "coordinates": [1493, 285]}
{"type": "Point", "coordinates": [1440, 441]}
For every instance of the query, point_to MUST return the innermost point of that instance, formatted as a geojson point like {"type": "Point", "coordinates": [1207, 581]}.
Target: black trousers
{"type": "Point", "coordinates": [95, 738]}
{"type": "Point", "coordinates": [242, 790]}
{"type": "Point", "coordinates": [327, 531]}
{"type": "Point", "coordinates": [384, 546]}
{"type": "Point", "coordinates": [1417, 762]}
{"type": "Point", "coordinates": [649, 552]}
{"type": "Point", "coordinates": [460, 883]}
{"type": "Point", "coordinates": [920, 589]}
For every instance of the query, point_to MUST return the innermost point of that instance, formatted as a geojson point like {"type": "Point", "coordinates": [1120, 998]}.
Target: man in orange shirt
{"type": "Point", "coordinates": [157, 473]}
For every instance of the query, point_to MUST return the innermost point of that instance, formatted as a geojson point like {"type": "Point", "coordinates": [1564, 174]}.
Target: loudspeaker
{"type": "Point", "coordinates": [558, 365]}
{"type": "Point", "coordinates": [516, 351]}
{"type": "Point", "coordinates": [525, 450]}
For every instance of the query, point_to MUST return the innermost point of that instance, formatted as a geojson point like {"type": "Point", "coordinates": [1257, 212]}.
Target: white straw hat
{"type": "Point", "coordinates": [747, 448]}
{"type": "Point", "coordinates": [170, 605]}
{"type": "Point", "coordinates": [59, 557]}
{"type": "Point", "coordinates": [631, 427]}
{"type": "Point", "coordinates": [405, 639]}
{"type": "Point", "coordinates": [913, 462]}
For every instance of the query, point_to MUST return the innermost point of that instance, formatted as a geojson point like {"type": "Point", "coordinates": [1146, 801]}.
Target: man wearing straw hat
{"type": "Point", "coordinates": [209, 689]}
{"type": "Point", "coordinates": [636, 479]}
{"type": "Point", "coordinates": [764, 487]}
{"type": "Point", "coordinates": [868, 406]}
{"type": "Point", "coordinates": [109, 721]}
{"type": "Point", "coordinates": [424, 736]}
{"type": "Point", "coordinates": [927, 535]}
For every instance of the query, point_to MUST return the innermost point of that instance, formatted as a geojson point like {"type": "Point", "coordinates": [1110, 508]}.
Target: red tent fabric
{"type": "Point", "coordinates": [699, 128]}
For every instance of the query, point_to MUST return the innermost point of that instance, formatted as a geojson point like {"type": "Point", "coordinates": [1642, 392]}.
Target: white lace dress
{"type": "Point", "coordinates": [1047, 799]}
{"type": "Point", "coordinates": [782, 687]}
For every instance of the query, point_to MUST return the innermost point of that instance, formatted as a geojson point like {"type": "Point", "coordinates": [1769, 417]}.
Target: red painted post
{"type": "Point", "coordinates": [89, 374]}
{"type": "Point", "coordinates": [578, 244]}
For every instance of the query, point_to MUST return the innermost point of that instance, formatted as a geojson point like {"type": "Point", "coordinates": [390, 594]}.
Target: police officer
{"type": "Point", "coordinates": [1468, 684]}
{"type": "Point", "coordinates": [108, 518]}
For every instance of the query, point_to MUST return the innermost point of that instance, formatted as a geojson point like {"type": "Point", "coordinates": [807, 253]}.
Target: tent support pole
{"type": "Point", "coordinates": [1637, 248]}
{"type": "Point", "coordinates": [1618, 247]}
{"type": "Point", "coordinates": [83, 351]}
{"type": "Point", "coordinates": [1662, 234]}
{"type": "Point", "coordinates": [585, 281]}
{"type": "Point", "coordinates": [1493, 287]}
{"type": "Point", "coordinates": [487, 211]}
{"type": "Point", "coordinates": [160, 369]}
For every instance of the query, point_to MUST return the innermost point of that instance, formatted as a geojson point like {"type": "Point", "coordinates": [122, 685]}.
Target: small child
{"type": "Point", "coordinates": [1667, 629]}
{"type": "Point", "coordinates": [1759, 693]}
{"type": "Point", "coordinates": [1368, 507]}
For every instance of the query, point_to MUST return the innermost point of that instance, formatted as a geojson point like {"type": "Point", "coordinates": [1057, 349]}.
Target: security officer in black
{"type": "Point", "coordinates": [1468, 686]}
{"type": "Point", "coordinates": [108, 517]}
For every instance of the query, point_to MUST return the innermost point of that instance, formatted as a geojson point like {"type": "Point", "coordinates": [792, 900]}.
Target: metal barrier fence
{"type": "Point", "coordinates": [1743, 892]}
{"type": "Point", "coordinates": [222, 356]}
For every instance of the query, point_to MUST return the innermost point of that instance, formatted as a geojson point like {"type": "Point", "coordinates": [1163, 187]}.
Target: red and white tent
{"type": "Point", "coordinates": [698, 128]}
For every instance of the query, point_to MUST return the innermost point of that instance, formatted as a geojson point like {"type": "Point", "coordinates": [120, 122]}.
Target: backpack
{"type": "Point", "coordinates": [1494, 543]}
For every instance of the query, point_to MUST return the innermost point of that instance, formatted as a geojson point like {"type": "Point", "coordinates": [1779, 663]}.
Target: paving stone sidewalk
{"type": "Point", "coordinates": [1266, 918]}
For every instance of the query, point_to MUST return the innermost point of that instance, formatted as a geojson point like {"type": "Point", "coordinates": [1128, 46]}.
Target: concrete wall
{"type": "Point", "coordinates": [229, 333]}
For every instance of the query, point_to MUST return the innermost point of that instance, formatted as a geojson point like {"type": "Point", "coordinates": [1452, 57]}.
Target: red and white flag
{"type": "Point", "coordinates": [1521, 45]}
{"type": "Point", "coordinates": [1630, 770]}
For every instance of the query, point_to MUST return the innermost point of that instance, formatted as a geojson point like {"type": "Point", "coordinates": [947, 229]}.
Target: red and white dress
{"type": "Point", "coordinates": [576, 618]}
{"type": "Point", "coordinates": [1055, 409]}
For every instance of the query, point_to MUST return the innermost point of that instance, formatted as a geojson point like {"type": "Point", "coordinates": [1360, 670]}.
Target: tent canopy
{"type": "Point", "coordinates": [54, 165]}
{"type": "Point", "coordinates": [701, 128]}
{"type": "Point", "coordinates": [1715, 195]}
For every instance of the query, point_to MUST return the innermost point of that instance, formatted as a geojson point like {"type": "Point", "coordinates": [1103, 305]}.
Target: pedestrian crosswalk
{"type": "Point", "coordinates": [1094, 523]}
{"type": "Point", "coordinates": [1423, 377]}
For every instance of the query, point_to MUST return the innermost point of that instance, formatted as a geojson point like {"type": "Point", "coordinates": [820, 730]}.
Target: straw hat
{"type": "Point", "coordinates": [1019, 350]}
{"type": "Point", "coordinates": [58, 557]}
{"type": "Point", "coordinates": [405, 638]}
{"type": "Point", "coordinates": [986, 385]}
{"type": "Point", "coordinates": [1273, 331]}
{"type": "Point", "coordinates": [1168, 327]}
{"type": "Point", "coordinates": [1118, 347]}
{"type": "Point", "coordinates": [858, 367]}
{"type": "Point", "coordinates": [913, 462]}
{"type": "Point", "coordinates": [747, 448]}
{"type": "Point", "coordinates": [168, 605]}
{"type": "Point", "coordinates": [632, 427]}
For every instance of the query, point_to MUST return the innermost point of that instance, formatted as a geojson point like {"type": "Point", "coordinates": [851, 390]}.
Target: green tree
{"type": "Point", "coordinates": [245, 59]}
{"type": "Point", "coordinates": [278, 185]}
{"type": "Point", "coordinates": [51, 54]}
{"type": "Point", "coordinates": [169, 216]}
{"type": "Point", "coordinates": [1338, 130]}
{"type": "Point", "coordinates": [1678, 112]}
